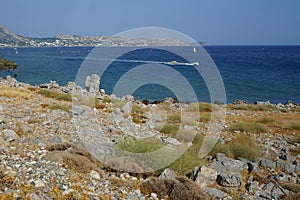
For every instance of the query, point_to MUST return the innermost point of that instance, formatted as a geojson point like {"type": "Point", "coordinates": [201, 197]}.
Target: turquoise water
{"type": "Point", "coordinates": [254, 73]}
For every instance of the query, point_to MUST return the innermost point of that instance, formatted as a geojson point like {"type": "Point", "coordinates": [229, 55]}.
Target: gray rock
{"type": "Point", "coordinates": [229, 180]}
{"type": "Point", "coordinates": [220, 156]}
{"type": "Point", "coordinates": [92, 83]}
{"type": "Point", "coordinates": [167, 174]}
{"type": "Point", "coordinates": [218, 194]}
{"type": "Point", "coordinates": [228, 165]}
{"type": "Point", "coordinates": [277, 193]}
{"type": "Point", "coordinates": [127, 108]}
{"type": "Point", "coordinates": [285, 166]}
{"type": "Point", "coordinates": [253, 187]}
{"type": "Point", "coordinates": [296, 162]}
{"type": "Point", "coordinates": [10, 135]}
{"type": "Point", "coordinates": [204, 176]}
{"type": "Point", "coordinates": [95, 175]}
{"type": "Point", "coordinates": [267, 163]}
{"type": "Point", "coordinates": [55, 139]}
{"type": "Point", "coordinates": [172, 141]}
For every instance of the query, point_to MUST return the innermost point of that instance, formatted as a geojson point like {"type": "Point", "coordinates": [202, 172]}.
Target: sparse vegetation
{"type": "Point", "coordinates": [55, 95]}
{"type": "Point", "coordinates": [170, 129]}
{"type": "Point", "coordinates": [173, 189]}
{"type": "Point", "coordinates": [266, 120]}
{"type": "Point", "coordinates": [64, 107]}
{"type": "Point", "coordinates": [138, 114]}
{"type": "Point", "coordinates": [250, 107]}
{"type": "Point", "coordinates": [293, 127]}
{"type": "Point", "coordinates": [139, 146]}
{"type": "Point", "coordinates": [249, 127]}
{"type": "Point", "coordinates": [243, 146]}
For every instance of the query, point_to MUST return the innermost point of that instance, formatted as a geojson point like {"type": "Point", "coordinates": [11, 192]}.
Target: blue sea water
{"type": "Point", "coordinates": [253, 73]}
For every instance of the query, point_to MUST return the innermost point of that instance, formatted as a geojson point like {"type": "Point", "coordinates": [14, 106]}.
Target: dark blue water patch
{"type": "Point", "coordinates": [255, 73]}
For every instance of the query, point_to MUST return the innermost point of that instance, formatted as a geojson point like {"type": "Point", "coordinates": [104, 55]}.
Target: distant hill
{"type": "Point", "coordinates": [10, 39]}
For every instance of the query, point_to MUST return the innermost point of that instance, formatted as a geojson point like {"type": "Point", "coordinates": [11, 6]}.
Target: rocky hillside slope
{"type": "Point", "coordinates": [68, 142]}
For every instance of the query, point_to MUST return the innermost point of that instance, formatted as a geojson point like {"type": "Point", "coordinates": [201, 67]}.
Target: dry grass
{"type": "Point", "coordinates": [64, 107]}
{"type": "Point", "coordinates": [173, 189]}
{"type": "Point", "coordinates": [73, 157]}
{"type": "Point", "coordinates": [6, 180]}
{"type": "Point", "coordinates": [55, 95]}
{"type": "Point", "coordinates": [243, 146]}
{"type": "Point", "coordinates": [17, 93]}
{"type": "Point", "coordinates": [138, 114]}
{"type": "Point", "coordinates": [248, 127]}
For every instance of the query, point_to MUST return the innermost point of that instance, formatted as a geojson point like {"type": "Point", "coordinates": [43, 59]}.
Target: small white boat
{"type": "Point", "coordinates": [194, 50]}
{"type": "Point", "coordinates": [16, 50]}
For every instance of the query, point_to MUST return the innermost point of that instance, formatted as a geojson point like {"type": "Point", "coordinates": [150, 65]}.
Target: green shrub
{"type": "Point", "coordinates": [170, 129]}
{"type": "Point", "coordinates": [60, 106]}
{"type": "Point", "coordinates": [139, 146]}
{"type": "Point", "coordinates": [244, 146]}
{"type": "Point", "coordinates": [259, 107]}
{"type": "Point", "coordinates": [174, 118]}
{"type": "Point", "coordinates": [55, 95]}
{"type": "Point", "coordinates": [248, 127]}
{"type": "Point", "coordinates": [189, 159]}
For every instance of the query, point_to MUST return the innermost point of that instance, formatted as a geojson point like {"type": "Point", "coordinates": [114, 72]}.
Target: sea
{"type": "Point", "coordinates": [252, 73]}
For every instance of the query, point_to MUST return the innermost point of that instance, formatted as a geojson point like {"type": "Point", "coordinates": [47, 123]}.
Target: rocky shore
{"type": "Point", "coordinates": [68, 142]}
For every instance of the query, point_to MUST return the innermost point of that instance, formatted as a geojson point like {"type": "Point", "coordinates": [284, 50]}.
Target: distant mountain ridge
{"type": "Point", "coordinates": [10, 39]}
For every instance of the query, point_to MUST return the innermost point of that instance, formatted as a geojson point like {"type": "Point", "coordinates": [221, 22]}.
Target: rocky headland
{"type": "Point", "coordinates": [69, 142]}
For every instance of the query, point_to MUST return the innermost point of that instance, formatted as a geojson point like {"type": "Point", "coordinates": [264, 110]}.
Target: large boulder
{"type": "Point", "coordinates": [10, 135]}
{"type": "Point", "coordinates": [229, 180]}
{"type": "Point", "coordinates": [204, 176]}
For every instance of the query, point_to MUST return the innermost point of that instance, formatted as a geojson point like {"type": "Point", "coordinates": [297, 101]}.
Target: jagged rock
{"type": "Point", "coordinates": [228, 165]}
{"type": "Point", "coordinates": [167, 174]}
{"type": "Point", "coordinates": [10, 135]}
{"type": "Point", "coordinates": [218, 194]}
{"type": "Point", "coordinates": [285, 166]}
{"type": "Point", "coordinates": [267, 163]}
{"type": "Point", "coordinates": [204, 176]}
{"type": "Point", "coordinates": [92, 83]}
{"type": "Point", "coordinates": [253, 187]}
{"type": "Point", "coordinates": [95, 175]}
{"type": "Point", "coordinates": [229, 180]}
{"type": "Point", "coordinates": [277, 193]}
{"type": "Point", "coordinates": [172, 141]}
{"type": "Point", "coordinates": [39, 183]}
{"type": "Point", "coordinates": [127, 108]}
{"type": "Point", "coordinates": [55, 139]}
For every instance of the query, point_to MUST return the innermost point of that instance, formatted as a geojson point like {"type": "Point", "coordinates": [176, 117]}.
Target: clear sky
{"type": "Point", "coordinates": [211, 21]}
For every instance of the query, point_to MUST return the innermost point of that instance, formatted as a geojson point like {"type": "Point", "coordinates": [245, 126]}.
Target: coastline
{"type": "Point", "coordinates": [48, 138]}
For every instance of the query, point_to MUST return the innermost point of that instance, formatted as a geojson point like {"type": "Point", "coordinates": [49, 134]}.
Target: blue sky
{"type": "Point", "coordinates": [212, 21]}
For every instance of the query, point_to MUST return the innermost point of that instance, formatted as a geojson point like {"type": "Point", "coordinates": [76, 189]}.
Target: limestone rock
{"type": "Point", "coordinates": [10, 135]}
{"type": "Point", "coordinates": [92, 83]}
{"type": "Point", "coordinates": [204, 176]}
{"type": "Point", "coordinates": [167, 174]}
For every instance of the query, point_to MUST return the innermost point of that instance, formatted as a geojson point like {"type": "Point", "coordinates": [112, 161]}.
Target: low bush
{"type": "Point", "coordinates": [248, 127]}
{"type": "Point", "coordinates": [139, 146]}
{"type": "Point", "coordinates": [244, 146]}
{"type": "Point", "coordinates": [173, 189]}
{"type": "Point", "coordinates": [55, 95]}
{"type": "Point", "coordinates": [63, 107]}
{"type": "Point", "coordinates": [170, 129]}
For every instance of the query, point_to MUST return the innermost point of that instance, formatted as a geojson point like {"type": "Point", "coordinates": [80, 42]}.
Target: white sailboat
{"type": "Point", "coordinates": [194, 50]}
{"type": "Point", "coordinates": [16, 50]}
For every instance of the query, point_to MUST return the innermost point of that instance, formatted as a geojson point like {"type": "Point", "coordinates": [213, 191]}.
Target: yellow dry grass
{"type": "Point", "coordinates": [17, 93]}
